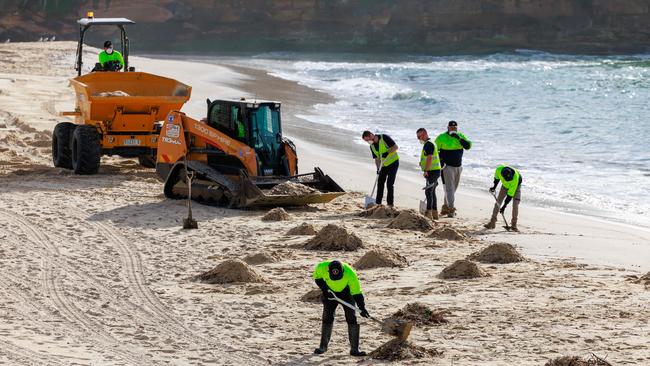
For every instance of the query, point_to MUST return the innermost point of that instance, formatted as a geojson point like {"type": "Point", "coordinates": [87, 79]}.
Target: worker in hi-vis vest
{"type": "Point", "coordinates": [384, 150]}
{"type": "Point", "coordinates": [511, 180]}
{"type": "Point", "coordinates": [110, 59]}
{"type": "Point", "coordinates": [430, 165]}
{"type": "Point", "coordinates": [451, 145]}
{"type": "Point", "coordinates": [339, 278]}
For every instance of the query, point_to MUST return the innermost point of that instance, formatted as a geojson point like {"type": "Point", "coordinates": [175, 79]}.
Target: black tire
{"type": "Point", "coordinates": [147, 161]}
{"type": "Point", "coordinates": [86, 150]}
{"type": "Point", "coordinates": [61, 143]}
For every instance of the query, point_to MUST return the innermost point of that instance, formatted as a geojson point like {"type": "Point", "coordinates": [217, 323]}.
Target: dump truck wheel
{"type": "Point", "coordinates": [147, 161]}
{"type": "Point", "coordinates": [86, 150]}
{"type": "Point", "coordinates": [61, 151]}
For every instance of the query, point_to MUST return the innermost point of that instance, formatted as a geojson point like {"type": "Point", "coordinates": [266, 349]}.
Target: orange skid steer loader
{"type": "Point", "coordinates": [237, 155]}
{"type": "Point", "coordinates": [117, 113]}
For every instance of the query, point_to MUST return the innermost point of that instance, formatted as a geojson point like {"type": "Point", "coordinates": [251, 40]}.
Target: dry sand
{"type": "Point", "coordinates": [276, 214]}
{"type": "Point", "coordinates": [94, 269]}
{"type": "Point", "coordinates": [376, 258]}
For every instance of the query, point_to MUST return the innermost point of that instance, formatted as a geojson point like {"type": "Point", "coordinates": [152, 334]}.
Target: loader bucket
{"type": "Point", "coordinates": [100, 95]}
{"type": "Point", "coordinates": [252, 190]}
{"type": "Point", "coordinates": [213, 187]}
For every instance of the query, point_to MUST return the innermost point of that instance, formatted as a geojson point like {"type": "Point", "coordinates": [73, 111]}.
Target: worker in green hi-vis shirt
{"type": "Point", "coordinates": [451, 145]}
{"type": "Point", "coordinates": [511, 180]}
{"type": "Point", "coordinates": [110, 59]}
{"type": "Point", "coordinates": [340, 279]}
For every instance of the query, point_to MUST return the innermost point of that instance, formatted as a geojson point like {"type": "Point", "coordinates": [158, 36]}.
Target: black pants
{"type": "Point", "coordinates": [431, 191]}
{"type": "Point", "coordinates": [329, 308]}
{"type": "Point", "coordinates": [387, 176]}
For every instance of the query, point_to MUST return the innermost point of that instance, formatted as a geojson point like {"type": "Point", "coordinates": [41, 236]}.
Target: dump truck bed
{"type": "Point", "coordinates": [103, 95]}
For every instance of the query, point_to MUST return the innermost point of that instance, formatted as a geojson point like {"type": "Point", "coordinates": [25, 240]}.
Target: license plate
{"type": "Point", "coordinates": [132, 142]}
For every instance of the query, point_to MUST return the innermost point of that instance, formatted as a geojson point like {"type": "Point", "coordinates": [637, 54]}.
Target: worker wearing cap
{"type": "Point", "coordinates": [451, 144]}
{"type": "Point", "coordinates": [339, 278]}
{"type": "Point", "coordinates": [110, 59]}
{"type": "Point", "coordinates": [430, 165]}
{"type": "Point", "coordinates": [384, 150]}
{"type": "Point", "coordinates": [511, 180]}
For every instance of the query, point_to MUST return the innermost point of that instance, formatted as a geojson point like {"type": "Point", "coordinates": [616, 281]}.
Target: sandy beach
{"type": "Point", "coordinates": [96, 270]}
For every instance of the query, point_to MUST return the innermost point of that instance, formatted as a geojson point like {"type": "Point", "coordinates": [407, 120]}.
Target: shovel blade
{"type": "Point", "coordinates": [189, 223]}
{"type": "Point", "coordinates": [369, 202]}
{"type": "Point", "coordinates": [398, 328]}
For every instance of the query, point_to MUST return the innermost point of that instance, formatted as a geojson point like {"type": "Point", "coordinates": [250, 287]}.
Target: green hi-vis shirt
{"type": "Point", "coordinates": [115, 56]}
{"type": "Point", "coordinates": [445, 141]}
{"type": "Point", "coordinates": [349, 278]}
{"type": "Point", "coordinates": [511, 185]}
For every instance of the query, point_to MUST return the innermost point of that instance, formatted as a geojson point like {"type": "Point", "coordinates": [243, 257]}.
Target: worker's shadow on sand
{"type": "Point", "coordinates": [312, 359]}
{"type": "Point", "coordinates": [164, 214]}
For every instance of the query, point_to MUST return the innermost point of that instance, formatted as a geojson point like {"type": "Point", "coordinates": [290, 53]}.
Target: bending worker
{"type": "Point", "coordinates": [110, 59]}
{"type": "Point", "coordinates": [341, 279]}
{"type": "Point", "coordinates": [511, 180]}
{"type": "Point", "coordinates": [384, 151]}
{"type": "Point", "coordinates": [430, 164]}
{"type": "Point", "coordinates": [451, 144]}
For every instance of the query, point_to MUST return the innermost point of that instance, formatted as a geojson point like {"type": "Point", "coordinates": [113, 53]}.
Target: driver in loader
{"type": "Point", "coordinates": [340, 279]}
{"type": "Point", "coordinates": [110, 59]}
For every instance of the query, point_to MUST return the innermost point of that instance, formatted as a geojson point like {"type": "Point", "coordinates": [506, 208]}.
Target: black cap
{"type": "Point", "coordinates": [335, 270]}
{"type": "Point", "coordinates": [452, 124]}
{"type": "Point", "coordinates": [108, 44]}
{"type": "Point", "coordinates": [507, 173]}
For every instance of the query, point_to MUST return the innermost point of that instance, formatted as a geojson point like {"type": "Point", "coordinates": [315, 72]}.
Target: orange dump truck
{"type": "Point", "coordinates": [116, 113]}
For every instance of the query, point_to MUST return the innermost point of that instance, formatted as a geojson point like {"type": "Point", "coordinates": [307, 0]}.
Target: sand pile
{"type": "Point", "coordinates": [312, 296]}
{"type": "Point", "coordinates": [276, 214]}
{"type": "Point", "coordinates": [577, 361]}
{"type": "Point", "coordinates": [463, 268]}
{"type": "Point", "coordinates": [302, 229]}
{"type": "Point", "coordinates": [289, 188]}
{"type": "Point", "coordinates": [397, 349]}
{"type": "Point", "coordinates": [420, 314]}
{"type": "Point", "coordinates": [334, 237]}
{"type": "Point", "coordinates": [381, 258]}
{"type": "Point", "coordinates": [380, 212]}
{"type": "Point", "coordinates": [447, 233]}
{"type": "Point", "coordinates": [261, 258]}
{"type": "Point", "coordinates": [497, 253]}
{"type": "Point", "coordinates": [410, 220]}
{"type": "Point", "coordinates": [230, 271]}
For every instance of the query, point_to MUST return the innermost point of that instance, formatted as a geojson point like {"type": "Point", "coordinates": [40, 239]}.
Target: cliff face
{"type": "Point", "coordinates": [423, 26]}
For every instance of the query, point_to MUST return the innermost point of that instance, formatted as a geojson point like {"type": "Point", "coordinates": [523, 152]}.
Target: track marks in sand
{"type": "Point", "coordinates": [51, 286]}
{"type": "Point", "coordinates": [134, 276]}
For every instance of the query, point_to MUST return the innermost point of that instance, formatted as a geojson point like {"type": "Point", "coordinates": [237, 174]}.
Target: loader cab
{"type": "Point", "coordinates": [258, 125]}
{"type": "Point", "coordinates": [86, 23]}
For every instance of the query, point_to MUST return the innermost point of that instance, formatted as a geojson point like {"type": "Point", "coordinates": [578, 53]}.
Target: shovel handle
{"type": "Point", "coordinates": [345, 303]}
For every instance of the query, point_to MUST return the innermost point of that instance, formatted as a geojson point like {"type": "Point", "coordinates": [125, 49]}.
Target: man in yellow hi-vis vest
{"type": "Point", "coordinates": [384, 151]}
{"type": "Point", "coordinates": [339, 278]}
{"type": "Point", "coordinates": [430, 165]}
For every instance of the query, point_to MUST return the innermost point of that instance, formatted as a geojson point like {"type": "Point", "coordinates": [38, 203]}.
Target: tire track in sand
{"type": "Point", "coordinates": [27, 356]}
{"type": "Point", "coordinates": [133, 269]}
{"type": "Point", "coordinates": [51, 283]}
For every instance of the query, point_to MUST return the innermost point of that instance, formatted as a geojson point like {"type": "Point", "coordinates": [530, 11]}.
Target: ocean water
{"type": "Point", "coordinates": [576, 126]}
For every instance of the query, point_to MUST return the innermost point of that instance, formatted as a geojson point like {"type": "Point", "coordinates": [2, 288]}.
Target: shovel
{"type": "Point", "coordinates": [189, 222]}
{"type": "Point", "coordinates": [370, 200]}
{"type": "Point", "coordinates": [507, 227]}
{"type": "Point", "coordinates": [398, 328]}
